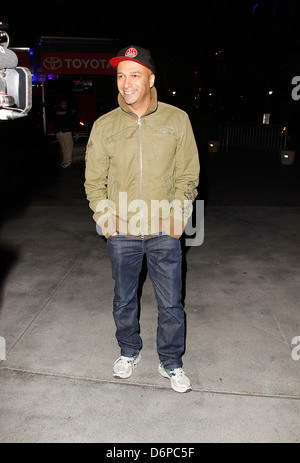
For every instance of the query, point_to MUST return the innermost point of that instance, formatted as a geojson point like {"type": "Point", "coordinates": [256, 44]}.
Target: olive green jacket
{"type": "Point", "coordinates": [142, 173]}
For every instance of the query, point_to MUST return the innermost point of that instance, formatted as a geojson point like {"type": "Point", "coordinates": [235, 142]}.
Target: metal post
{"type": "Point", "coordinates": [44, 106]}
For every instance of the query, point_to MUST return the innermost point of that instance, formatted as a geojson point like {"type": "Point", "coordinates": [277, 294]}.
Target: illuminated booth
{"type": "Point", "coordinates": [77, 70]}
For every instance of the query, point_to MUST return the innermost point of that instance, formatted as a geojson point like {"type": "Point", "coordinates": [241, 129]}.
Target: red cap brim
{"type": "Point", "coordinates": [115, 61]}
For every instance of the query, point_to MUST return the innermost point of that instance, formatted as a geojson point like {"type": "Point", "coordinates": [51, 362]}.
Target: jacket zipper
{"type": "Point", "coordinates": [141, 177]}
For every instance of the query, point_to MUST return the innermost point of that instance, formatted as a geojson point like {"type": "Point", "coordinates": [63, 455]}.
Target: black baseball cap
{"type": "Point", "coordinates": [133, 53]}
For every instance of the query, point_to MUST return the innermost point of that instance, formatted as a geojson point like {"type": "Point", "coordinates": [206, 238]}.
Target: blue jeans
{"type": "Point", "coordinates": [164, 258]}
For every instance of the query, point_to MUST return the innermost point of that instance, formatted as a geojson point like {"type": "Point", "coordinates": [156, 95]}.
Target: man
{"type": "Point", "coordinates": [142, 171]}
{"type": "Point", "coordinates": [63, 128]}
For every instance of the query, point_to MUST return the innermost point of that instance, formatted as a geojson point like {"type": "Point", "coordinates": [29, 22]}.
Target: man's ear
{"type": "Point", "coordinates": [151, 80]}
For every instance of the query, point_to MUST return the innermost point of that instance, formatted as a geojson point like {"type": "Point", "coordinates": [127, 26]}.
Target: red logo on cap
{"type": "Point", "coordinates": [131, 53]}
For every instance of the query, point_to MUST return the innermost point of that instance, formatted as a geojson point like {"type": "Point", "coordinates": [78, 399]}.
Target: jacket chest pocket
{"type": "Point", "coordinates": [163, 142]}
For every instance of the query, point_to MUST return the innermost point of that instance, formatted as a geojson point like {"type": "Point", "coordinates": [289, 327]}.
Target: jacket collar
{"type": "Point", "coordinates": [151, 109]}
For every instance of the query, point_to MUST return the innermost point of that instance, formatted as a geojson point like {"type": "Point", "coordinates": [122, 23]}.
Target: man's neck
{"type": "Point", "coordinates": [139, 110]}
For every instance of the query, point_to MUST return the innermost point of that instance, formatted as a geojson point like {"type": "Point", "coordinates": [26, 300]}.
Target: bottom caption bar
{"type": "Point", "coordinates": [144, 452]}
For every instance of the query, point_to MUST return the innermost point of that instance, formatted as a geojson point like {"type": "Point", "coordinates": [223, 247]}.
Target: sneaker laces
{"type": "Point", "coordinates": [177, 372]}
{"type": "Point", "coordinates": [125, 360]}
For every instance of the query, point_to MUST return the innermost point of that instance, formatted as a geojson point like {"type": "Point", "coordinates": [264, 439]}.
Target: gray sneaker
{"type": "Point", "coordinates": [179, 381]}
{"type": "Point", "coordinates": [124, 366]}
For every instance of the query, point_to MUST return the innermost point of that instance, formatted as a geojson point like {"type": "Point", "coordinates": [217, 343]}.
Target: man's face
{"type": "Point", "coordinates": [134, 84]}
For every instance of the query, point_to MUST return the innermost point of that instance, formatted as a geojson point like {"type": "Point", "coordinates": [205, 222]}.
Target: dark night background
{"type": "Point", "coordinates": [236, 50]}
